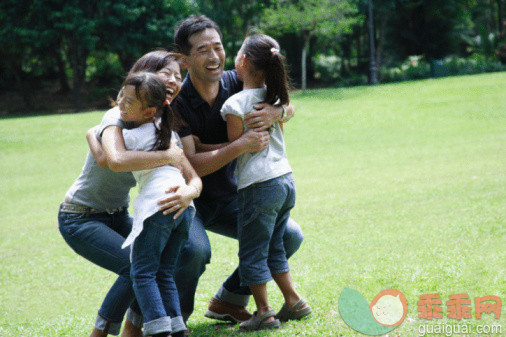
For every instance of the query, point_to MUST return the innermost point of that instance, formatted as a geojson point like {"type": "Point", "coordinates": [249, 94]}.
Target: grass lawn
{"type": "Point", "coordinates": [399, 186]}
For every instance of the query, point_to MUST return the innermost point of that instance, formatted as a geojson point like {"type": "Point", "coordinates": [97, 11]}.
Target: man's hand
{"type": "Point", "coordinates": [264, 116]}
{"type": "Point", "coordinates": [254, 141]}
{"type": "Point", "coordinates": [175, 155]}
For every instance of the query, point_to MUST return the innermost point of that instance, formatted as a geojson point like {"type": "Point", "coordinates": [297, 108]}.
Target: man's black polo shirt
{"type": "Point", "coordinates": [206, 123]}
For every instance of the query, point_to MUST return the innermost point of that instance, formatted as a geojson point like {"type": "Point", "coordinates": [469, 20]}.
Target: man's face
{"type": "Point", "coordinates": [207, 56]}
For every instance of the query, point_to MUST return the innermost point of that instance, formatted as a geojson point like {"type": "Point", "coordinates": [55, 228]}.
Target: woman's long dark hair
{"type": "Point", "coordinates": [154, 61]}
{"type": "Point", "coordinates": [264, 54]}
{"type": "Point", "coordinates": [151, 91]}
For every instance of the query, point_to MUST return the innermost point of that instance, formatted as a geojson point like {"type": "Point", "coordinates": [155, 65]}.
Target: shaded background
{"type": "Point", "coordinates": [64, 56]}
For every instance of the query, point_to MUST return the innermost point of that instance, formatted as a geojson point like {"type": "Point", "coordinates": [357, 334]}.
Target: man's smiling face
{"type": "Point", "coordinates": [207, 56]}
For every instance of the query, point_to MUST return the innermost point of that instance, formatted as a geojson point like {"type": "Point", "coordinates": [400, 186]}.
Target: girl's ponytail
{"type": "Point", "coordinates": [263, 52]}
{"type": "Point", "coordinates": [164, 128]}
{"type": "Point", "coordinates": [276, 79]}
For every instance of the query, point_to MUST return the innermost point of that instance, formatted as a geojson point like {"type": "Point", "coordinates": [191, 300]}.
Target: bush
{"type": "Point", "coordinates": [416, 67]}
{"type": "Point", "coordinates": [327, 68]}
{"type": "Point", "coordinates": [104, 69]}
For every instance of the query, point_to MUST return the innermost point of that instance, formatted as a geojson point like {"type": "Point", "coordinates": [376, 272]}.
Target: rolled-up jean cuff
{"type": "Point", "coordinates": [112, 328]}
{"type": "Point", "coordinates": [254, 282]}
{"type": "Point", "coordinates": [177, 324]}
{"type": "Point", "coordinates": [159, 325]}
{"type": "Point", "coordinates": [230, 297]}
{"type": "Point", "coordinates": [280, 271]}
{"type": "Point", "coordinates": [134, 317]}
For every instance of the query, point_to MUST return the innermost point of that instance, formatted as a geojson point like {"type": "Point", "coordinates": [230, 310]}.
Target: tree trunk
{"type": "Point", "coordinates": [24, 89]}
{"type": "Point", "coordinates": [78, 56]}
{"type": "Point", "coordinates": [372, 51]}
{"type": "Point", "coordinates": [499, 17]}
{"type": "Point", "coordinates": [62, 75]}
{"type": "Point", "coordinates": [381, 40]}
{"type": "Point", "coordinates": [305, 49]}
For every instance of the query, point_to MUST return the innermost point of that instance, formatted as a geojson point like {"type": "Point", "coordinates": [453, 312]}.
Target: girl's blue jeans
{"type": "Point", "coordinates": [154, 256]}
{"type": "Point", "coordinates": [264, 213]}
{"type": "Point", "coordinates": [220, 217]}
{"type": "Point", "coordinates": [98, 238]}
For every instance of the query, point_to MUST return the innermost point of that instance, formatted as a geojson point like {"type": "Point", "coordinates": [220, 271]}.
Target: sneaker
{"type": "Point", "coordinates": [225, 311]}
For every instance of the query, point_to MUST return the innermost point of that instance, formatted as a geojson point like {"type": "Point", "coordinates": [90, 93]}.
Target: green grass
{"type": "Point", "coordinates": [399, 186]}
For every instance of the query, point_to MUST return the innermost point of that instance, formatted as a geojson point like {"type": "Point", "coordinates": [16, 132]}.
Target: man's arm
{"type": "Point", "coordinates": [119, 159]}
{"type": "Point", "coordinates": [266, 115]}
{"type": "Point", "coordinates": [208, 162]}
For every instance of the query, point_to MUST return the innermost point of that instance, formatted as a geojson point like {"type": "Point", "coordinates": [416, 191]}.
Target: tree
{"type": "Point", "coordinates": [427, 27]}
{"type": "Point", "coordinates": [50, 36]}
{"type": "Point", "coordinates": [135, 27]}
{"type": "Point", "coordinates": [235, 18]}
{"type": "Point", "coordinates": [372, 38]}
{"type": "Point", "coordinates": [309, 18]}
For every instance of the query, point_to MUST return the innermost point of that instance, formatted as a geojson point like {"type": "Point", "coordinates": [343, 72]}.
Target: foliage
{"type": "Point", "coordinates": [49, 44]}
{"type": "Point", "coordinates": [136, 27]}
{"type": "Point", "coordinates": [51, 36]}
{"type": "Point", "coordinates": [308, 19]}
{"type": "Point", "coordinates": [416, 67]}
{"type": "Point", "coordinates": [427, 27]}
{"type": "Point", "coordinates": [235, 19]}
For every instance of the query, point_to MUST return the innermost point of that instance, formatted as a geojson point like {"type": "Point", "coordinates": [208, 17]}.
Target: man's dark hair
{"type": "Point", "coordinates": [192, 25]}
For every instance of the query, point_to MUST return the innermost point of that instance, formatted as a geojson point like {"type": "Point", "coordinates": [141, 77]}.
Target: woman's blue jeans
{"type": "Point", "coordinates": [154, 255]}
{"type": "Point", "coordinates": [98, 238]}
{"type": "Point", "coordinates": [218, 216]}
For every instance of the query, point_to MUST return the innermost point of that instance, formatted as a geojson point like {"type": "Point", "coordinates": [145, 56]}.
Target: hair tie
{"type": "Point", "coordinates": [274, 50]}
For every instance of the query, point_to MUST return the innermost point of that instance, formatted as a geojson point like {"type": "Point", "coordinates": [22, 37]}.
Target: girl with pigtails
{"type": "Point", "coordinates": [157, 237]}
{"type": "Point", "coordinates": [265, 185]}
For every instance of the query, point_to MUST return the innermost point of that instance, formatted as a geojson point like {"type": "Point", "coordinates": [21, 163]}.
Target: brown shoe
{"type": "Point", "coordinates": [225, 311]}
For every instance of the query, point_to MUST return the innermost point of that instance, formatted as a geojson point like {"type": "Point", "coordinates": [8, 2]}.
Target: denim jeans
{"type": "Point", "coordinates": [154, 256]}
{"type": "Point", "coordinates": [98, 238]}
{"type": "Point", "coordinates": [220, 217]}
{"type": "Point", "coordinates": [265, 210]}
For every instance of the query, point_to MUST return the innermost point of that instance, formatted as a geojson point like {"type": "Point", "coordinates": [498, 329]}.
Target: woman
{"type": "Point", "coordinates": [94, 220]}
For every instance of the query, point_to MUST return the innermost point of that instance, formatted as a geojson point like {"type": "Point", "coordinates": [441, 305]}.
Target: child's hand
{"type": "Point", "coordinates": [198, 143]}
{"type": "Point", "coordinates": [175, 155]}
{"type": "Point", "coordinates": [255, 141]}
{"type": "Point", "coordinates": [179, 201]}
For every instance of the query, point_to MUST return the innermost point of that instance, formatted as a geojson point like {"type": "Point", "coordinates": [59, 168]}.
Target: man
{"type": "Point", "coordinates": [204, 91]}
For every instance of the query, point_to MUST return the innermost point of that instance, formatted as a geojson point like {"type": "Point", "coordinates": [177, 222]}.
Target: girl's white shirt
{"type": "Point", "coordinates": [260, 166]}
{"type": "Point", "coordinates": [152, 183]}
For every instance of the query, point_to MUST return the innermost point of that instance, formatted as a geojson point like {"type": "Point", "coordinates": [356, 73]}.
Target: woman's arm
{"type": "Point", "coordinates": [95, 147]}
{"type": "Point", "coordinates": [119, 159]}
{"type": "Point", "coordinates": [266, 115]}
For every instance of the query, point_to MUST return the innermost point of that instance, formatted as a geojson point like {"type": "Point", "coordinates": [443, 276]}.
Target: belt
{"type": "Point", "coordinates": [68, 207]}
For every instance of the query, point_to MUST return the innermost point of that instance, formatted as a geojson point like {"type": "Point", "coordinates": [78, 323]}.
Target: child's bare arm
{"type": "Point", "coordinates": [201, 147]}
{"type": "Point", "coordinates": [235, 127]}
{"type": "Point", "coordinates": [122, 160]}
